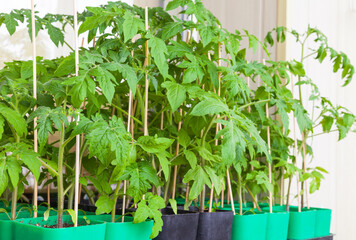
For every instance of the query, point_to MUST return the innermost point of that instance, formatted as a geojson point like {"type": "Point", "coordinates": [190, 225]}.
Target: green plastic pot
{"type": "Point", "coordinates": [124, 230]}
{"type": "Point", "coordinates": [322, 222]}
{"type": "Point", "coordinates": [251, 226]}
{"type": "Point", "coordinates": [32, 229]}
{"type": "Point", "coordinates": [277, 225]}
{"type": "Point", "coordinates": [301, 224]}
{"type": "Point", "coordinates": [6, 225]}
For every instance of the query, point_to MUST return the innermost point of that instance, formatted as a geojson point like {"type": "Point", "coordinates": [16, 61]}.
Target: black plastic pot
{"type": "Point", "coordinates": [182, 226]}
{"type": "Point", "coordinates": [215, 225]}
{"type": "Point", "coordinates": [330, 237]}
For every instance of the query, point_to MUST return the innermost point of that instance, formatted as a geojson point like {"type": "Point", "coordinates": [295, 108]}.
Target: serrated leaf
{"type": "Point", "coordinates": [154, 144]}
{"type": "Point", "coordinates": [173, 204]}
{"type": "Point", "coordinates": [209, 106]}
{"type": "Point", "coordinates": [199, 178]}
{"type": "Point", "coordinates": [141, 176]}
{"type": "Point", "coordinates": [172, 29]}
{"type": "Point", "coordinates": [191, 158]}
{"type": "Point", "coordinates": [131, 25]}
{"type": "Point", "coordinates": [15, 119]}
{"type": "Point", "coordinates": [3, 176]}
{"type": "Point", "coordinates": [206, 35]}
{"type": "Point", "coordinates": [176, 94]}
{"type": "Point", "coordinates": [2, 123]}
{"type": "Point", "coordinates": [10, 23]}
{"type": "Point", "coordinates": [14, 169]}
{"type": "Point", "coordinates": [26, 70]}
{"type": "Point", "coordinates": [55, 34]}
{"type": "Point", "coordinates": [158, 52]}
{"type": "Point", "coordinates": [183, 138]}
{"type": "Point", "coordinates": [104, 205]}
{"type": "Point", "coordinates": [165, 164]}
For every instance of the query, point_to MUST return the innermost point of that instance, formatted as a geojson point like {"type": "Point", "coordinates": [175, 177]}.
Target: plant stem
{"type": "Point", "coordinates": [253, 103]}
{"type": "Point", "coordinates": [60, 177]}
{"type": "Point", "coordinates": [14, 193]}
{"type": "Point", "coordinates": [240, 193]}
{"type": "Point", "coordinates": [116, 195]}
{"type": "Point", "coordinates": [126, 113]}
{"type": "Point", "coordinates": [253, 198]}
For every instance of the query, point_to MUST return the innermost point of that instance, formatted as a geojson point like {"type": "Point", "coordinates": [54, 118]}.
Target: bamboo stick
{"type": "Point", "coordinates": [282, 179]}
{"type": "Point", "coordinates": [296, 149]}
{"type": "Point", "coordinates": [77, 137]}
{"type": "Point", "coordinates": [159, 188]}
{"type": "Point", "coordinates": [218, 125]}
{"type": "Point", "coordinates": [34, 71]}
{"type": "Point", "coordinates": [230, 191]}
{"type": "Point", "coordinates": [146, 77]}
{"type": "Point", "coordinates": [176, 167]}
{"type": "Point", "coordinates": [269, 150]}
{"type": "Point", "coordinates": [305, 169]}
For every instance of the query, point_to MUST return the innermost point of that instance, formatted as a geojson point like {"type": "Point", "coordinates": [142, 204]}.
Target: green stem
{"type": "Point", "coordinates": [14, 193]}
{"type": "Point", "coordinates": [253, 198]}
{"type": "Point", "coordinates": [116, 195]}
{"type": "Point", "coordinates": [240, 193]}
{"type": "Point", "coordinates": [60, 177]}
{"type": "Point", "coordinates": [126, 113]}
{"type": "Point", "coordinates": [253, 103]}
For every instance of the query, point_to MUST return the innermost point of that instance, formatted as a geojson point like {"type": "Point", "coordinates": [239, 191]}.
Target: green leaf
{"type": "Point", "coordinates": [149, 208]}
{"type": "Point", "coordinates": [10, 23]}
{"type": "Point", "coordinates": [183, 138]}
{"type": "Point", "coordinates": [209, 106]}
{"type": "Point", "coordinates": [47, 118]}
{"type": "Point", "coordinates": [73, 215]}
{"type": "Point", "coordinates": [2, 123]}
{"type": "Point", "coordinates": [165, 164]}
{"type": "Point", "coordinates": [214, 179]}
{"type": "Point", "coordinates": [3, 176]}
{"type": "Point", "coordinates": [104, 205]}
{"type": "Point", "coordinates": [327, 123]}
{"type": "Point", "coordinates": [46, 214]}
{"type": "Point", "coordinates": [206, 34]}
{"type": "Point", "coordinates": [66, 66]}
{"type": "Point", "coordinates": [141, 176]}
{"type": "Point", "coordinates": [173, 204]}
{"type": "Point", "coordinates": [129, 74]}
{"type": "Point", "coordinates": [158, 52]}
{"type": "Point", "coordinates": [172, 29]}
{"type": "Point", "coordinates": [191, 158]}
{"type": "Point", "coordinates": [154, 144]}
{"type": "Point", "coordinates": [55, 34]}
{"type": "Point", "coordinates": [131, 25]}
{"type": "Point", "coordinates": [15, 119]}
{"type": "Point", "coordinates": [14, 169]}
{"type": "Point", "coordinates": [176, 94]}
{"type": "Point", "coordinates": [303, 119]}
{"type": "Point", "coordinates": [199, 178]}
{"type": "Point", "coordinates": [106, 82]}
{"type": "Point", "coordinates": [26, 70]}
{"type": "Point", "coordinates": [110, 142]}
{"type": "Point", "coordinates": [91, 23]}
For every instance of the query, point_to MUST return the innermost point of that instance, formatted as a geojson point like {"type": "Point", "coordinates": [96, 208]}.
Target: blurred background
{"type": "Point", "coordinates": [336, 19]}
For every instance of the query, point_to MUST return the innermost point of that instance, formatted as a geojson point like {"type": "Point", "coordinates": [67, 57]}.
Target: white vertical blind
{"type": "Point", "coordinates": [337, 20]}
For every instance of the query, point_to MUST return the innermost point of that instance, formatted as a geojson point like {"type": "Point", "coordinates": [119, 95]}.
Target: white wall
{"type": "Point", "coordinates": [18, 46]}
{"type": "Point", "coordinates": [338, 21]}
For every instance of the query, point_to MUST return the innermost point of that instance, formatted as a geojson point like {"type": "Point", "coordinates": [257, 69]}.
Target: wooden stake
{"type": "Point", "coordinates": [282, 179]}
{"type": "Point", "coordinates": [230, 191]}
{"type": "Point", "coordinates": [218, 125]}
{"type": "Point", "coordinates": [177, 152]}
{"type": "Point", "coordinates": [146, 77]}
{"type": "Point", "coordinates": [296, 149]}
{"type": "Point", "coordinates": [305, 169]}
{"type": "Point", "coordinates": [34, 71]}
{"type": "Point", "coordinates": [159, 189]}
{"type": "Point", "coordinates": [269, 150]}
{"type": "Point", "coordinates": [77, 137]}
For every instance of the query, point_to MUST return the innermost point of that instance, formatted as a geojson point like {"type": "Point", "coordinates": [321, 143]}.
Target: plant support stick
{"type": "Point", "coordinates": [77, 137]}
{"type": "Point", "coordinates": [35, 141]}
